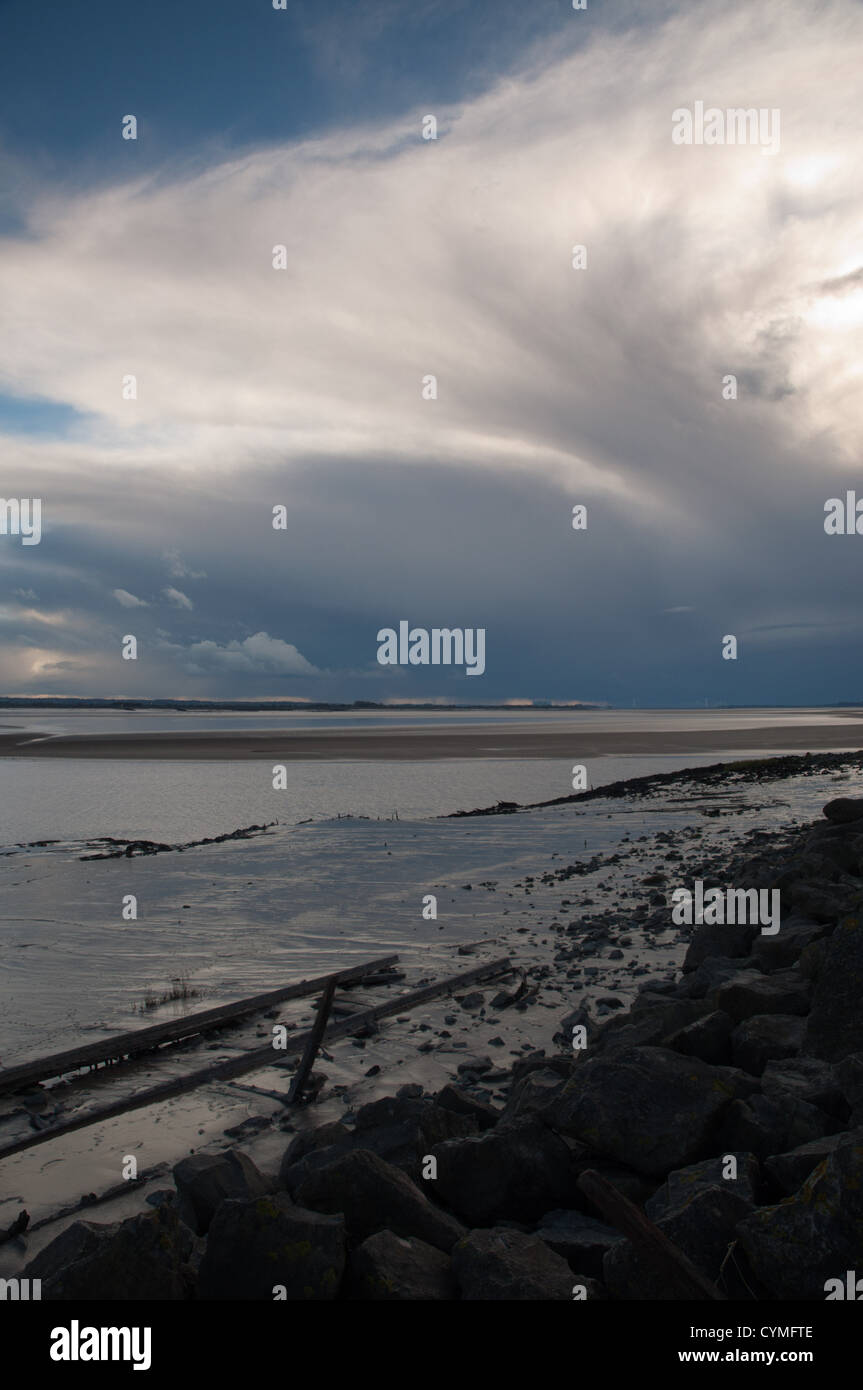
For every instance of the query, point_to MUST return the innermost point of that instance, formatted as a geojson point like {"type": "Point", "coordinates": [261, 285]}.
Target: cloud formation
{"type": "Point", "coordinates": [453, 258]}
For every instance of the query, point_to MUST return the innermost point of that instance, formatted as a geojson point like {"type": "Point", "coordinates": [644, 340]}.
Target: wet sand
{"type": "Point", "coordinates": [417, 745]}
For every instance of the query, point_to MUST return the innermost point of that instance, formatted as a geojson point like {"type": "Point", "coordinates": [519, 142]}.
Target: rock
{"type": "Point", "coordinates": [708, 1037]}
{"type": "Point", "coordinates": [517, 1171]}
{"type": "Point", "coordinates": [709, 975]}
{"type": "Point", "coordinates": [205, 1180]}
{"type": "Point", "coordinates": [844, 810]}
{"type": "Point", "coordinates": [580, 1239]}
{"type": "Point", "coordinates": [713, 939]}
{"type": "Point", "coordinates": [765, 1038]}
{"type": "Point", "coordinates": [648, 1107]}
{"type": "Point", "coordinates": [145, 1258]}
{"type": "Point", "coordinates": [374, 1195]}
{"type": "Point", "coordinates": [825, 902]}
{"type": "Point", "coordinates": [392, 1268]}
{"type": "Point", "coordinates": [835, 1027]}
{"type": "Point", "coordinates": [765, 1125]}
{"type": "Point", "coordinates": [502, 1264]}
{"type": "Point", "coordinates": [453, 1098]}
{"type": "Point", "coordinates": [780, 951]}
{"type": "Point", "coordinates": [254, 1247]}
{"type": "Point", "coordinates": [703, 1228]}
{"type": "Point", "coordinates": [398, 1129]}
{"type": "Point", "coordinates": [652, 1018]}
{"type": "Point", "coordinates": [585, 1289]}
{"type": "Point", "coordinates": [310, 1140]}
{"type": "Point", "coordinates": [683, 1184]}
{"type": "Point", "coordinates": [816, 1235]}
{"type": "Point", "coordinates": [77, 1242]}
{"type": "Point", "coordinates": [849, 1075]}
{"type": "Point", "coordinates": [790, 1170]}
{"type": "Point", "coordinates": [750, 993]}
{"type": "Point", "coordinates": [808, 1079]}
{"type": "Point", "coordinates": [532, 1093]}
{"type": "Point", "coordinates": [478, 1065]}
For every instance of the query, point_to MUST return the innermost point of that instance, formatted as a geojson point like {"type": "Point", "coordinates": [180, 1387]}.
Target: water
{"type": "Point", "coordinates": [78, 799]}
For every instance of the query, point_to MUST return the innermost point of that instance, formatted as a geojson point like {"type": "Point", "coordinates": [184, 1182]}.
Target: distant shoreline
{"type": "Point", "coordinates": [421, 745]}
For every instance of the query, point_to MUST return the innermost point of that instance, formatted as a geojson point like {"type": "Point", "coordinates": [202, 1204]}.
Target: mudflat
{"type": "Point", "coordinates": [417, 745]}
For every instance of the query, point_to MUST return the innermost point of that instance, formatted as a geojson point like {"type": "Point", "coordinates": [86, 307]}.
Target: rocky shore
{"type": "Point", "coordinates": [726, 1104]}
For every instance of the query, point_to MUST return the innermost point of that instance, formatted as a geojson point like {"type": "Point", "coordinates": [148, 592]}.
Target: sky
{"type": "Point", "coordinates": [305, 386]}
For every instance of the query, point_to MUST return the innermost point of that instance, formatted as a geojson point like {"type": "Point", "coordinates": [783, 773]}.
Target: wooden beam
{"type": "Point", "coordinates": [311, 1050]}
{"type": "Point", "coordinates": [143, 1039]}
{"type": "Point", "coordinates": [684, 1280]}
{"type": "Point", "coordinates": [255, 1058]}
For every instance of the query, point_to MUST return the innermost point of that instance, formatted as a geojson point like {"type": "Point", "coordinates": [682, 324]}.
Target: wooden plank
{"type": "Point", "coordinates": [311, 1050]}
{"type": "Point", "coordinates": [685, 1280]}
{"type": "Point", "coordinates": [256, 1058]}
{"type": "Point", "coordinates": [143, 1039]}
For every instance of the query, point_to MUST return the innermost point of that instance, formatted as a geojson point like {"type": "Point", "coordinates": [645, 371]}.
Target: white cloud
{"type": "Point", "coordinates": [260, 655]}
{"type": "Point", "coordinates": [129, 600]}
{"type": "Point", "coordinates": [178, 567]}
{"type": "Point", "coordinates": [179, 600]}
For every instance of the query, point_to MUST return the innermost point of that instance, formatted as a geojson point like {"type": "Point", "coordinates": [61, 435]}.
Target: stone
{"type": "Point", "coordinates": [255, 1247]}
{"type": "Point", "coordinates": [501, 1264]}
{"type": "Point", "coordinates": [765, 1125]}
{"type": "Point", "coordinates": [808, 1079]}
{"type": "Point", "coordinates": [684, 1183]}
{"type": "Point", "coordinates": [814, 1236]}
{"type": "Point", "coordinates": [844, 810]}
{"type": "Point", "coordinates": [750, 993]}
{"type": "Point", "coordinates": [146, 1258]}
{"type": "Point", "coordinates": [765, 1038]}
{"type": "Point", "coordinates": [457, 1100]}
{"type": "Point", "coordinates": [785, 948]}
{"type": "Point", "coordinates": [647, 1107]}
{"type": "Point", "coordinates": [835, 1026]}
{"type": "Point", "coordinates": [390, 1268]}
{"type": "Point", "coordinates": [708, 1038]}
{"type": "Point", "coordinates": [205, 1180]}
{"type": "Point", "coordinates": [580, 1239]}
{"type": "Point", "coordinates": [790, 1170]}
{"type": "Point", "coordinates": [531, 1093]}
{"type": "Point", "coordinates": [708, 976]}
{"type": "Point", "coordinates": [714, 939]}
{"type": "Point", "coordinates": [703, 1228]}
{"type": "Point", "coordinates": [374, 1195]}
{"type": "Point", "coordinates": [515, 1171]}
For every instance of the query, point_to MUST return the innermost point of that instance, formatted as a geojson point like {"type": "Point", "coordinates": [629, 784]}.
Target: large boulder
{"type": "Point", "coordinates": [816, 1235]}
{"type": "Point", "coordinates": [270, 1249]}
{"type": "Point", "coordinates": [374, 1195]}
{"type": "Point", "coordinates": [718, 939]}
{"type": "Point", "coordinates": [708, 1038]}
{"type": "Point", "coordinates": [835, 1026]}
{"type": "Point", "coordinates": [785, 948]}
{"type": "Point", "coordinates": [766, 1125]}
{"type": "Point", "coordinates": [844, 810]}
{"type": "Point", "coordinates": [684, 1183]}
{"type": "Point", "coordinates": [790, 1170]}
{"type": "Point", "coordinates": [580, 1239]}
{"type": "Point", "coordinates": [514, 1172]}
{"type": "Point", "coordinates": [703, 1228]}
{"type": "Point", "coordinates": [146, 1258]}
{"type": "Point", "coordinates": [204, 1181]}
{"type": "Point", "coordinates": [454, 1098]}
{"type": "Point", "coordinates": [750, 993]}
{"type": "Point", "coordinates": [502, 1264]}
{"type": "Point", "coordinates": [808, 1079]}
{"type": "Point", "coordinates": [647, 1107]}
{"type": "Point", "coordinates": [389, 1268]}
{"type": "Point", "coordinates": [765, 1038]}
